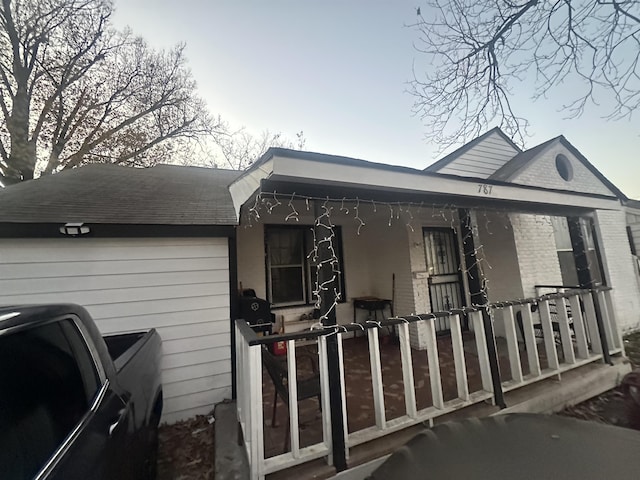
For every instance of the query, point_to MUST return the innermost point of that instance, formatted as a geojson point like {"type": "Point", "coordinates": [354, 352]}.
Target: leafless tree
{"type": "Point", "coordinates": [240, 149]}
{"type": "Point", "coordinates": [481, 52]}
{"type": "Point", "coordinates": [74, 90]}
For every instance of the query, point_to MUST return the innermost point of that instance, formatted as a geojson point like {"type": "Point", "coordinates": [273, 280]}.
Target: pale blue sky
{"type": "Point", "coordinates": [338, 70]}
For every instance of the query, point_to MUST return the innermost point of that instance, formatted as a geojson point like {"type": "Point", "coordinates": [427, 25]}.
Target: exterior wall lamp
{"type": "Point", "coordinates": [74, 229]}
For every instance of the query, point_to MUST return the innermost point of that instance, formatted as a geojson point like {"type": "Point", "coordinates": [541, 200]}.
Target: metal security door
{"type": "Point", "coordinates": [445, 280]}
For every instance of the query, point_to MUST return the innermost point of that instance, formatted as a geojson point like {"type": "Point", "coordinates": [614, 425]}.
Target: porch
{"type": "Point", "coordinates": [384, 386]}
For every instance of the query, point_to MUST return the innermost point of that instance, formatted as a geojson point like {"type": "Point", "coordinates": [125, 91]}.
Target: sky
{"type": "Point", "coordinates": [340, 71]}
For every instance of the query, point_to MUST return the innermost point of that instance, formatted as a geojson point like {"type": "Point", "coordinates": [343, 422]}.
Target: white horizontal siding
{"type": "Point", "coordinates": [183, 359]}
{"type": "Point", "coordinates": [182, 320]}
{"type": "Point", "coordinates": [114, 267]}
{"type": "Point", "coordinates": [178, 374]}
{"type": "Point", "coordinates": [178, 286]}
{"type": "Point", "coordinates": [100, 282]}
{"type": "Point", "coordinates": [483, 159]}
{"type": "Point", "coordinates": [192, 404]}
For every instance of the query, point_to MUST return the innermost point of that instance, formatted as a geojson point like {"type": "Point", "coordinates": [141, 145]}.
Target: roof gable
{"type": "Point", "coordinates": [479, 158]}
{"type": "Point", "coordinates": [111, 194]}
{"type": "Point", "coordinates": [538, 166]}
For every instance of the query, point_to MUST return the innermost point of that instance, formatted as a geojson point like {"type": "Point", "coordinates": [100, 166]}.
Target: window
{"type": "Point", "coordinates": [290, 270]}
{"type": "Point", "coordinates": [43, 395]}
{"type": "Point", "coordinates": [593, 257]}
{"type": "Point", "coordinates": [565, 251]}
{"type": "Point", "coordinates": [564, 168]}
{"type": "Point", "coordinates": [566, 254]}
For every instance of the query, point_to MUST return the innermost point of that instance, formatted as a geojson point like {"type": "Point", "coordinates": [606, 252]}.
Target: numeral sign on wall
{"type": "Point", "coordinates": [484, 188]}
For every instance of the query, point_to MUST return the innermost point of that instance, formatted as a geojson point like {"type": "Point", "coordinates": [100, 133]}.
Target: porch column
{"type": "Point", "coordinates": [327, 286]}
{"type": "Point", "coordinates": [585, 278]}
{"type": "Point", "coordinates": [479, 298]}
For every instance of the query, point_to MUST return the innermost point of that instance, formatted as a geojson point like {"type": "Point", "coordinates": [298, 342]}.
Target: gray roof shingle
{"type": "Point", "coordinates": [111, 194]}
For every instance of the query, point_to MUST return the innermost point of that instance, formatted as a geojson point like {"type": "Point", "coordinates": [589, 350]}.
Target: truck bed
{"type": "Point", "coordinates": [123, 347]}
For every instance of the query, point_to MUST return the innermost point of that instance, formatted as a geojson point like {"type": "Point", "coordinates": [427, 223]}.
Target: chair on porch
{"type": "Point", "coordinates": [555, 325]}
{"type": "Point", "coordinates": [307, 388]}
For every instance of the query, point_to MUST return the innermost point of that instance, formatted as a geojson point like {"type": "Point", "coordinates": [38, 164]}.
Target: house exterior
{"type": "Point", "coordinates": [156, 254]}
{"type": "Point", "coordinates": [474, 247]}
{"type": "Point", "coordinates": [466, 249]}
{"type": "Point", "coordinates": [520, 202]}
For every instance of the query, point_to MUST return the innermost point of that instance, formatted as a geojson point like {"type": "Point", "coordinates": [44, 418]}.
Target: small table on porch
{"type": "Point", "coordinates": [372, 305]}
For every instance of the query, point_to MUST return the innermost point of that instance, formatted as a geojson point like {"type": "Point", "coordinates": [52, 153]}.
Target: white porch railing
{"type": "Point", "coordinates": [565, 331]}
{"type": "Point", "coordinates": [249, 378]}
{"type": "Point", "coordinates": [565, 326]}
{"type": "Point", "coordinates": [439, 406]}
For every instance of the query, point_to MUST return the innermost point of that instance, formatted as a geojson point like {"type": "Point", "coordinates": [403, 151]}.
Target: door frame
{"type": "Point", "coordinates": [458, 261]}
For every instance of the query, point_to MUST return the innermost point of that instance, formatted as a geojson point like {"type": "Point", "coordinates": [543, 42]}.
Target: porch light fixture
{"type": "Point", "coordinates": [74, 229]}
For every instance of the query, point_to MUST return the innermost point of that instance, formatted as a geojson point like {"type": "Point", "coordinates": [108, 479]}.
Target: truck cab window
{"type": "Point", "coordinates": [45, 389]}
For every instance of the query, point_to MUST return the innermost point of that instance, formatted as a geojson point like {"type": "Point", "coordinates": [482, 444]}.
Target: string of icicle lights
{"type": "Point", "coordinates": [292, 206]}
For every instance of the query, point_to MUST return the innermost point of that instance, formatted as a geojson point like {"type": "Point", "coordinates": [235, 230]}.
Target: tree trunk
{"type": "Point", "coordinates": [22, 158]}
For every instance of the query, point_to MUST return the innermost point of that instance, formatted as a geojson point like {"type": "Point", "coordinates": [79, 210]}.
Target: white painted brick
{"type": "Point", "coordinates": [497, 255]}
{"type": "Point", "coordinates": [536, 252]}
{"type": "Point", "coordinates": [619, 267]}
{"type": "Point", "coordinates": [542, 172]}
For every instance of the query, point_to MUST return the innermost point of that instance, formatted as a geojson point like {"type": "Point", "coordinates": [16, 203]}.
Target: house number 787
{"type": "Point", "coordinates": [484, 188]}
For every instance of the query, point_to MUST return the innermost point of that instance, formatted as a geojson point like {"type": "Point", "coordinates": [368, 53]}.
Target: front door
{"type": "Point", "coordinates": [443, 267]}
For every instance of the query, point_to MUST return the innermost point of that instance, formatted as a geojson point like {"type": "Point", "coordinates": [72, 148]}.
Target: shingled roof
{"type": "Point", "coordinates": [111, 194]}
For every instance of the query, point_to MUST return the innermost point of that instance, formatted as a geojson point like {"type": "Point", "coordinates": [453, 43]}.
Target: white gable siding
{"type": "Point", "coordinates": [482, 159]}
{"type": "Point", "coordinates": [542, 172]}
{"type": "Point", "coordinates": [178, 286]}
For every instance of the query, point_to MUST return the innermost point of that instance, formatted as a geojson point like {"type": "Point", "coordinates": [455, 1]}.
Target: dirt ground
{"type": "Point", "coordinates": [186, 448]}
{"type": "Point", "coordinates": [609, 407]}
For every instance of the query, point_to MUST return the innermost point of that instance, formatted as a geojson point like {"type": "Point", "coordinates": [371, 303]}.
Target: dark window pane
{"type": "Point", "coordinates": [594, 267]}
{"type": "Point", "coordinates": [568, 268]}
{"type": "Point", "coordinates": [285, 247]}
{"type": "Point", "coordinates": [42, 397]}
{"type": "Point", "coordinates": [84, 360]}
{"type": "Point", "coordinates": [286, 285]}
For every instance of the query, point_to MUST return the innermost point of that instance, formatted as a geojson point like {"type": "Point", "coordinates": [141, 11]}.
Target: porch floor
{"type": "Point", "coordinates": [359, 391]}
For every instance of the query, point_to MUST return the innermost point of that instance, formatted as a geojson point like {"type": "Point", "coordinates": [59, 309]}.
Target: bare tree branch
{"type": "Point", "coordinates": [480, 53]}
{"type": "Point", "coordinates": [74, 90]}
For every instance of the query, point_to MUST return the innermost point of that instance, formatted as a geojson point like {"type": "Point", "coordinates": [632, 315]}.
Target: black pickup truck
{"type": "Point", "coordinates": [75, 405]}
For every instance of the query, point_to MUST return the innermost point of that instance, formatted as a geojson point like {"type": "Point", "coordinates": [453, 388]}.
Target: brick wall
{"type": "Point", "coordinates": [419, 269]}
{"type": "Point", "coordinates": [500, 265]}
{"type": "Point", "coordinates": [536, 251]}
{"type": "Point", "coordinates": [542, 172]}
{"type": "Point", "coordinates": [619, 267]}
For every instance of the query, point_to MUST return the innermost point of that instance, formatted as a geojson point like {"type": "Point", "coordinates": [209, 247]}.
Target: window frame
{"type": "Point", "coordinates": [307, 265]}
{"type": "Point", "coordinates": [565, 250]}
{"type": "Point", "coordinates": [590, 245]}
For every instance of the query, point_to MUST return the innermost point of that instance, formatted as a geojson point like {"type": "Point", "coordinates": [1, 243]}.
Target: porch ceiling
{"type": "Point", "coordinates": [320, 175]}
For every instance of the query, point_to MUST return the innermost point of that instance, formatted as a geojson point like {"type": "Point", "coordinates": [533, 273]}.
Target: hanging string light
{"type": "Point", "coordinates": [488, 219]}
